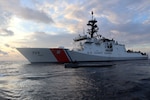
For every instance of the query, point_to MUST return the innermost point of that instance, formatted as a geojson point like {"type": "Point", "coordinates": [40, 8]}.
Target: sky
{"type": "Point", "coordinates": [54, 23]}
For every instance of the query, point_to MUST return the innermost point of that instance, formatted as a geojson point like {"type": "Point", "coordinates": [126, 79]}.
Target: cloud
{"type": "Point", "coordinates": [6, 32]}
{"type": "Point", "coordinates": [118, 11]}
{"type": "Point", "coordinates": [7, 45]}
{"type": "Point", "coordinates": [3, 53]}
{"type": "Point", "coordinates": [130, 33]}
{"type": "Point", "coordinates": [134, 28]}
{"type": "Point", "coordinates": [74, 15]}
{"type": "Point", "coordinates": [147, 21]}
{"type": "Point", "coordinates": [14, 7]}
{"type": "Point", "coordinates": [63, 39]}
{"type": "Point", "coordinates": [34, 15]}
{"type": "Point", "coordinates": [123, 20]}
{"type": "Point", "coordinates": [43, 39]}
{"type": "Point", "coordinates": [77, 12]}
{"type": "Point", "coordinates": [4, 18]}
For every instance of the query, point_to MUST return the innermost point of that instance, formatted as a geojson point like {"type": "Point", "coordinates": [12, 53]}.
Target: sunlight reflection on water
{"type": "Point", "coordinates": [125, 80]}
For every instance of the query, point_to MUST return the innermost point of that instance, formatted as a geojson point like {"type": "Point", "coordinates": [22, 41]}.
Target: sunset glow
{"type": "Point", "coordinates": [53, 23]}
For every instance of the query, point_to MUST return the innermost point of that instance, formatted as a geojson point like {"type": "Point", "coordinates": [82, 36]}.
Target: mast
{"type": "Point", "coordinates": [93, 28]}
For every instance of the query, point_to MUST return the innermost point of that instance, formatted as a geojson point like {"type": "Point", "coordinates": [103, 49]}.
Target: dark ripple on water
{"type": "Point", "coordinates": [127, 80]}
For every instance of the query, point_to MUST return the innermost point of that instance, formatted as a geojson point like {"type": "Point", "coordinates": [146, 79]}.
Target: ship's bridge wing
{"type": "Point", "coordinates": [80, 38]}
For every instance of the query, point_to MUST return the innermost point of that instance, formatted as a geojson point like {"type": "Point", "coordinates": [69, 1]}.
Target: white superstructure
{"type": "Point", "coordinates": [102, 49]}
{"type": "Point", "coordinates": [90, 47]}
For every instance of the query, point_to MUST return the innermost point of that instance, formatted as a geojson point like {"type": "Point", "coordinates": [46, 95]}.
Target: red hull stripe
{"type": "Point", "coordinates": [60, 55]}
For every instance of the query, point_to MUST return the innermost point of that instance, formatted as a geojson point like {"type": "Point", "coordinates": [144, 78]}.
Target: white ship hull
{"type": "Point", "coordinates": [79, 57]}
{"type": "Point", "coordinates": [53, 55]}
{"type": "Point", "coordinates": [60, 55]}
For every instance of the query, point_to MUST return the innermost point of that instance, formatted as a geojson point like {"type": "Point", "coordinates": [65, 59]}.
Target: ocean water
{"type": "Point", "coordinates": [126, 80]}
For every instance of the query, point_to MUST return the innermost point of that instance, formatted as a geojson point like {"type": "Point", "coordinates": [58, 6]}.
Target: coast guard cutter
{"type": "Point", "coordinates": [89, 47]}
